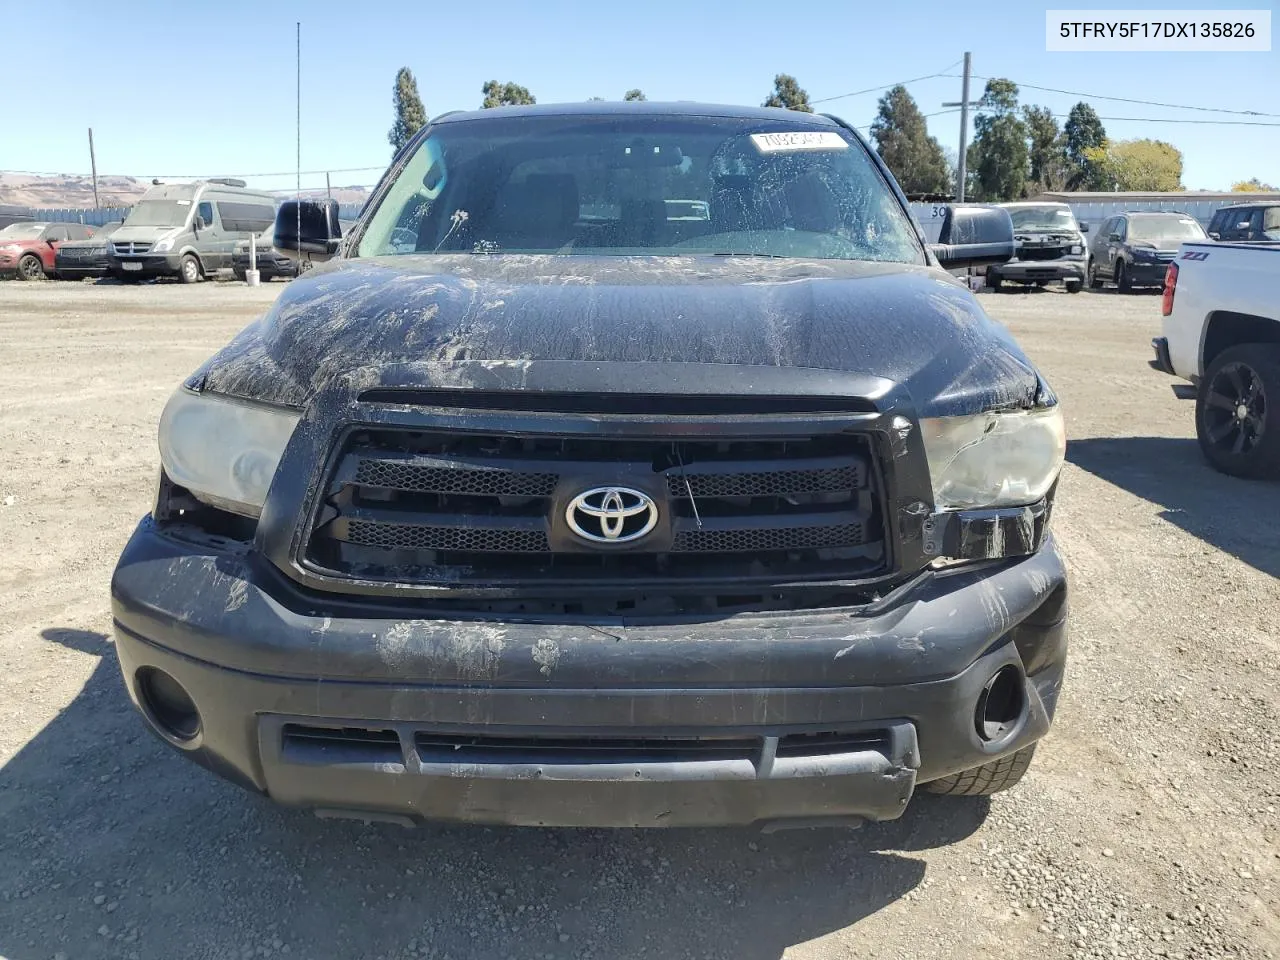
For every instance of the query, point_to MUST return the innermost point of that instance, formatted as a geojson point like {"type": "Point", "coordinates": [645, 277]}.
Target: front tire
{"type": "Point", "coordinates": [1073, 286]}
{"type": "Point", "coordinates": [30, 267]}
{"type": "Point", "coordinates": [993, 777]}
{"type": "Point", "coordinates": [189, 272]}
{"type": "Point", "coordinates": [1124, 283]}
{"type": "Point", "coordinates": [1238, 411]}
{"type": "Point", "coordinates": [239, 274]}
{"type": "Point", "coordinates": [1095, 281]}
{"type": "Point", "coordinates": [994, 282]}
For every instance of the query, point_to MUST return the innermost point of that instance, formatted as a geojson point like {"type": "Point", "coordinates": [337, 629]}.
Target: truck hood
{"type": "Point", "coordinates": [141, 233]}
{"type": "Point", "coordinates": [427, 315]}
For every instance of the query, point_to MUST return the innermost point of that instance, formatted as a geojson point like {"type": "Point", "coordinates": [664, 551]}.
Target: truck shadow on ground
{"type": "Point", "coordinates": [112, 845]}
{"type": "Point", "coordinates": [1236, 516]}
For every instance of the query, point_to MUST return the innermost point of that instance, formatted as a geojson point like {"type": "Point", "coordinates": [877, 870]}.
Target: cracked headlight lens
{"type": "Point", "coordinates": [1004, 459]}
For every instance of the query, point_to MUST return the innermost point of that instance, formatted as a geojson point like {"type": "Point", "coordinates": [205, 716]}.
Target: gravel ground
{"type": "Point", "coordinates": [1146, 827]}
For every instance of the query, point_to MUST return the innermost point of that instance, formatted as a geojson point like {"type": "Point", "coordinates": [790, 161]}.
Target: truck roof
{"type": "Point", "coordinates": [605, 108]}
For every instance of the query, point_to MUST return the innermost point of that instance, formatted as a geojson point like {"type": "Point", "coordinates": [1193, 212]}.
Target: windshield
{"type": "Point", "coordinates": [158, 213]}
{"type": "Point", "coordinates": [1165, 231]}
{"type": "Point", "coordinates": [22, 231]}
{"type": "Point", "coordinates": [642, 185]}
{"type": "Point", "coordinates": [1043, 218]}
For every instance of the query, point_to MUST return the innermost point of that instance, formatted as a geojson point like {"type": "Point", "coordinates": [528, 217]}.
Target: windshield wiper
{"type": "Point", "coordinates": [772, 256]}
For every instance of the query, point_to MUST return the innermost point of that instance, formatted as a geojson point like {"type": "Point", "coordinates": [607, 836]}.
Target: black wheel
{"type": "Point", "coordinates": [994, 282]}
{"type": "Point", "coordinates": [30, 267]}
{"type": "Point", "coordinates": [1073, 286]}
{"type": "Point", "coordinates": [1238, 411]}
{"type": "Point", "coordinates": [189, 272]}
{"type": "Point", "coordinates": [1095, 281]}
{"type": "Point", "coordinates": [239, 274]}
{"type": "Point", "coordinates": [1123, 282]}
{"type": "Point", "coordinates": [989, 778]}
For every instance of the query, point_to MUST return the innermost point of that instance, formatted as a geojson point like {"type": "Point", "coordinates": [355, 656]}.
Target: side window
{"type": "Point", "coordinates": [1108, 228]}
{"type": "Point", "coordinates": [1231, 220]}
{"type": "Point", "coordinates": [1217, 223]}
{"type": "Point", "coordinates": [1255, 225]}
{"type": "Point", "coordinates": [1122, 228]}
{"type": "Point", "coordinates": [205, 213]}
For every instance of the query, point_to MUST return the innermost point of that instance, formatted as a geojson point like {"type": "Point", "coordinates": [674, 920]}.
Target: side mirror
{"type": "Point", "coordinates": [308, 229]}
{"type": "Point", "coordinates": [199, 223]}
{"type": "Point", "coordinates": [974, 235]}
{"type": "Point", "coordinates": [1114, 238]}
{"type": "Point", "coordinates": [1084, 227]}
{"type": "Point", "coordinates": [1214, 235]}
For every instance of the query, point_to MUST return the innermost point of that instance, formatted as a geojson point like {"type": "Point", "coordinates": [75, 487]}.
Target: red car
{"type": "Point", "coordinates": [27, 249]}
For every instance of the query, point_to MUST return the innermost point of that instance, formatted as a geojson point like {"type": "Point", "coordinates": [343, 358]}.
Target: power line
{"type": "Point", "coordinates": [1220, 123]}
{"type": "Point", "coordinates": [886, 86]}
{"type": "Point", "coordinates": [1146, 103]}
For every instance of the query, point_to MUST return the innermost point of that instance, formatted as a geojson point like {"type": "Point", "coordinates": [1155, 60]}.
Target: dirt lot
{"type": "Point", "coordinates": [1147, 826]}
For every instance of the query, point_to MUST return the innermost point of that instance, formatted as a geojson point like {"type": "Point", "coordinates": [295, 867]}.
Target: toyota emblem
{"type": "Point", "coordinates": [611, 514]}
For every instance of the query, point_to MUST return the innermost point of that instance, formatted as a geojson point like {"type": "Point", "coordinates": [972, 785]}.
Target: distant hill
{"type": "Point", "coordinates": [68, 190]}
{"type": "Point", "coordinates": [76, 192]}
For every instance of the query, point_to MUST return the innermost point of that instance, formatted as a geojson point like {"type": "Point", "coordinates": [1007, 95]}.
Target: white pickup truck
{"type": "Point", "coordinates": [1222, 332]}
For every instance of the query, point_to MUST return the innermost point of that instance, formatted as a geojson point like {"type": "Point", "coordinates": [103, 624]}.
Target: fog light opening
{"type": "Point", "coordinates": [169, 706]}
{"type": "Point", "coordinates": [1001, 704]}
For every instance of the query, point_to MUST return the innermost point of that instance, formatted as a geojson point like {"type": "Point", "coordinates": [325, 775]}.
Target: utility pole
{"type": "Point", "coordinates": [93, 166]}
{"type": "Point", "coordinates": [964, 106]}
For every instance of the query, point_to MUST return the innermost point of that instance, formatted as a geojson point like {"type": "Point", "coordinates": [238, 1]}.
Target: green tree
{"type": "Point", "coordinates": [1083, 131]}
{"type": "Point", "coordinates": [1147, 165]}
{"type": "Point", "coordinates": [789, 94]}
{"type": "Point", "coordinates": [998, 157]}
{"type": "Point", "coordinates": [411, 116]}
{"type": "Point", "coordinates": [903, 142]}
{"type": "Point", "coordinates": [635, 93]}
{"type": "Point", "coordinates": [505, 95]}
{"type": "Point", "coordinates": [1253, 185]}
{"type": "Point", "coordinates": [1047, 151]}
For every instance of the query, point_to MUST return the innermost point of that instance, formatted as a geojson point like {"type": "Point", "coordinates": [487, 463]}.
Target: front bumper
{"type": "Point", "coordinates": [267, 265]}
{"type": "Point", "coordinates": [80, 268]}
{"type": "Point", "coordinates": [1147, 273]}
{"type": "Point", "coordinates": [149, 265]}
{"type": "Point", "coordinates": [834, 714]}
{"type": "Point", "coordinates": [1030, 270]}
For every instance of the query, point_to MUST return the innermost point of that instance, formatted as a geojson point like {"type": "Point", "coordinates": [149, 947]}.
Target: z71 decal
{"type": "Point", "coordinates": [1196, 255]}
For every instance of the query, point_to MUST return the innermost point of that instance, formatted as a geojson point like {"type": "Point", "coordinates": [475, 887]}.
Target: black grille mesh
{"type": "Point", "coordinates": [412, 536]}
{"type": "Point", "coordinates": [774, 538]}
{"type": "Point", "coordinates": [421, 478]}
{"type": "Point", "coordinates": [774, 483]}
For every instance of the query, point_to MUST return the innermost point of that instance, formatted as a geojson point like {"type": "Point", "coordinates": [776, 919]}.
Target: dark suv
{"type": "Point", "coordinates": [1135, 249]}
{"type": "Point", "coordinates": [551, 501]}
{"type": "Point", "coordinates": [1247, 223]}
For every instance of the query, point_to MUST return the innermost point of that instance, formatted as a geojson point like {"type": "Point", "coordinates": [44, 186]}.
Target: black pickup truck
{"type": "Point", "coordinates": [627, 465]}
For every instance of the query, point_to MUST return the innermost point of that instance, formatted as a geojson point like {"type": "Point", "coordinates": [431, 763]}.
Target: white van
{"type": "Point", "coordinates": [187, 230]}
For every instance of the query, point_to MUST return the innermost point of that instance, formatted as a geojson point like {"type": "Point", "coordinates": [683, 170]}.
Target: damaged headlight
{"type": "Point", "coordinates": [994, 459]}
{"type": "Point", "coordinates": [224, 451]}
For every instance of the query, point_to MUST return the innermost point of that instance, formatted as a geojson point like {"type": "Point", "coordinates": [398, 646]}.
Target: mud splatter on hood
{"type": "Point", "coordinates": [355, 319]}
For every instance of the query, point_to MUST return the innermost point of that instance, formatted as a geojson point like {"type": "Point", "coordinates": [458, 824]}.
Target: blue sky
{"type": "Point", "coordinates": [196, 89]}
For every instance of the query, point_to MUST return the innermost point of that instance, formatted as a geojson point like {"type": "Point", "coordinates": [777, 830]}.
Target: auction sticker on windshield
{"type": "Point", "coordinates": [798, 140]}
